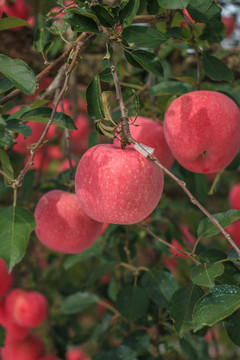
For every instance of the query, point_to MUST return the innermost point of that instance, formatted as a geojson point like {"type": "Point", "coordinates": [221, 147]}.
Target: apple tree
{"type": "Point", "coordinates": [119, 179]}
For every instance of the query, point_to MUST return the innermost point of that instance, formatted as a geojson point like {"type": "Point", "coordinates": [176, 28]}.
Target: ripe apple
{"type": "Point", "coordinates": [229, 23]}
{"type": "Point", "coordinates": [117, 186]}
{"type": "Point", "coordinates": [14, 332]}
{"type": "Point", "coordinates": [62, 225]}
{"type": "Point", "coordinates": [31, 348]}
{"type": "Point", "coordinates": [76, 354]}
{"type": "Point", "coordinates": [202, 129]}
{"type": "Point", "coordinates": [79, 137]}
{"type": "Point", "coordinates": [234, 197]}
{"type": "Point", "coordinates": [150, 133]}
{"type": "Point", "coordinates": [65, 165]}
{"type": "Point", "coordinates": [37, 129]}
{"type": "Point", "coordinates": [20, 309]}
{"type": "Point", "coordinates": [16, 8]}
{"type": "Point", "coordinates": [5, 276]}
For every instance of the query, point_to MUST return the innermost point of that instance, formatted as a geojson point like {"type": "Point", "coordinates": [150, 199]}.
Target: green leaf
{"type": "Point", "coordinates": [6, 166]}
{"type": "Point", "coordinates": [19, 73]}
{"type": "Point", "coordinates": [106, 75]}
{"type": "Point", "coordinates": [147, 60]}
{"type": "Point", "coordinates": [93, 250]}
{"type": "Point", "coordinates": [132, 302]}
{"type": "Point", "coordinates": [231, 325]}
{"type": "Point", "coordinates": [216, 69]}
{"type": "Point", "coordinates": [200, 5]}
{"type": "Point", "coordinates": [197, 15]}
{"type": "Point", "coordinates": [43, 114]}
{"type": "Point", "coordinates": [181, 306]}
{"type": "Point", "coordinates": [12, 22]}
{"type": "Point", "coordinates": [78, 302]}
{"type": "Point", "coordinates": [99, 271]}
{"type": "Point", "coordinates": [5, 85]}
{"type": "Point", "coordinates": [171, 88]}
{"type": "Point", "coordinates": [104, 17]}
{"type": "Point", "coordinates": [39, 39]}
{"type": "Point", "coordinates": [18, 127]}
{"type": "Point", "coordinates": [2, 336]}
{"type": "Point", "coordinates": [16, 224]}
{"type": "Point", "coordinates": [58, 27]}
{"type": "Point", "coordinates": [143, 36]}
{"type": "Point", "coordinates": [5, 137]}
{"type": "Point", "coordinates": [138, 341]}
{"type": "Point", "coordinates": [159, 286]}
{"type": "Point", "coordinates": [80, 23]}
{"type": "Point", "coordinates": [173, 4]}
{"type": "Point", "coordinates": [221, 302]}
{"type": "Point", "coordinates": [93, 96]}
{"type": "Point", "coordinates": [195, 347]}
{"type": "Point", "coordinates": [233, 256]}
{"type": "Point", "coordinates": [128, 12]}
{"type": "Point", "coordinates": [205, 274]}
{"type": "Point", "coordinates": [206, 228]}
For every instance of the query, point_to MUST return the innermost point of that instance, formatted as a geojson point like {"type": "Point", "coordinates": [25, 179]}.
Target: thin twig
{"type": "Point", "coordinates": [153, 18]}
{"type": "Point", "coordinates": [17, 182]}
{"type": "Point", "coordinates": [193, 43]}
{"type": "Point", "coordinates": [49, 69]}
{"type": "Point", "coordinates": [186, 253]}
{"type": "Point", "coordinates": [127, 138]}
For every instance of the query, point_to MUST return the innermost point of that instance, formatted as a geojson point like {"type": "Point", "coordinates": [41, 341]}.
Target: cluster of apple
{"type": "Point", "coordinates": [21, 311]}
{"type": "Point", "coordinates": [113, 185]}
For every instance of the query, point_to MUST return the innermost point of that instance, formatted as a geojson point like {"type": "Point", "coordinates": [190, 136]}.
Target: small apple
{"type": "Point", "coordinates": [31, 348]}
{"type": "Point", "coordinates": [62, 225]}
{"type": "Point", "coordinates": [14, 8]}
{"type": "Point", "coordinates": [20, 309]}
{"type": "Point", "coordinates": [150, 133]}
{"type": "Point", "coordinates": [234, 197]}
{"type": "Point", "coordinates": [229, 23]}
{"type": "Point", "coordinates": [202, 129]}
{"type": "Point", "coordinates": [116, 185]}
{"type": "Point", "coordinates": [76, 354]}
{"type": "Point", "coordinates": [6, 278]}
{"type": "Point", "coordinates": [14, 332]}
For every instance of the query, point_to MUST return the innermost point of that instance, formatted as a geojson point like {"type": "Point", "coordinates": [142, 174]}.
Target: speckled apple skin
{"type": "Point", "coordinates": [20, 309]}
{"type": "Point", "coordinates": [62, 225]}
{"type": "Point", "coordinates": [6, 278]}
{"type": "Point", "coordinates": [202, 129]}
{"type": "Point", "coordinates": [31, 348]}
{"type": "Point", "coordinates": [234, 197]}
{"type": "Point", "coordinates": [117, 186]}
{"type": "Point", "coordinates": [150, 132]}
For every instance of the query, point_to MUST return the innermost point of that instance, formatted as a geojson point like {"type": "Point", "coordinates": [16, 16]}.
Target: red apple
{"type": "Point", "coordinates": [76, 354]}
{"type": "Point", "coordinates": [234, 197]}
{"type": "Point", "coordinates": [5, 276]}
{"type": "Point", "coordinates": [14, 332]}
{"type": "Point", "coordinates": [65, 165]}
{"type": "Point", "coordinates": [37, 129]}
{"type": "Point", "coordinates": [62, 225]}
{"type": "Point", "coordinates": [16, 8]}
{"type": "Point", "coordinates": [202, 129]}
{"type": "Point", "coordinates": [79, 137]}
{"type": "Point", "coordinates": [31, 348]}
{"type": "Point", "coordinates": [49, 357]}
{"type": "Point", "coordinates": [229, 23]}
{"type": "Point", "coordinates": [150, 133]}
{"type": "Point", "coordinates": [26, 308]}
{"type": "Point", "coordinates": [117, 186]}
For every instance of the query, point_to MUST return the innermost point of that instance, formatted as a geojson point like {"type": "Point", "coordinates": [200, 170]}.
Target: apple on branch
{"type": "Point", "coordinates": [202, 129]}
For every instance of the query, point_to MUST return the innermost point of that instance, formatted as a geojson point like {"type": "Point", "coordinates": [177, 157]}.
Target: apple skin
{"type": "Point", "coordinates": [150, 133]}
{"type": "Point", "coordinates": [229, 23]}
{"type": "Point", "coordinates": [62, 225]}
{"type": "Point", "coordinates": [6, 278]}
{"type": "Point", "coordinates": [202, 129]}
{"type": "Point", "coordinates": [76, 354]}
{"type": "Point", "coordinates": [31, 348]}
{"type": "Point", "coordinates": [20, 309]}
{"type": "Point", "coordinates": [234, 197]}
{"type": "Point", "coordinates": [14, 332]}
{"type": "Point", "coordinates": [18, 9]}
{"type": "Point", "coordinates": [117, 186]}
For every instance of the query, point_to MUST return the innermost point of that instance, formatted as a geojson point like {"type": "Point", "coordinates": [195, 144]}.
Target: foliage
{"type": "Point", "coordinates": [129, 296]}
